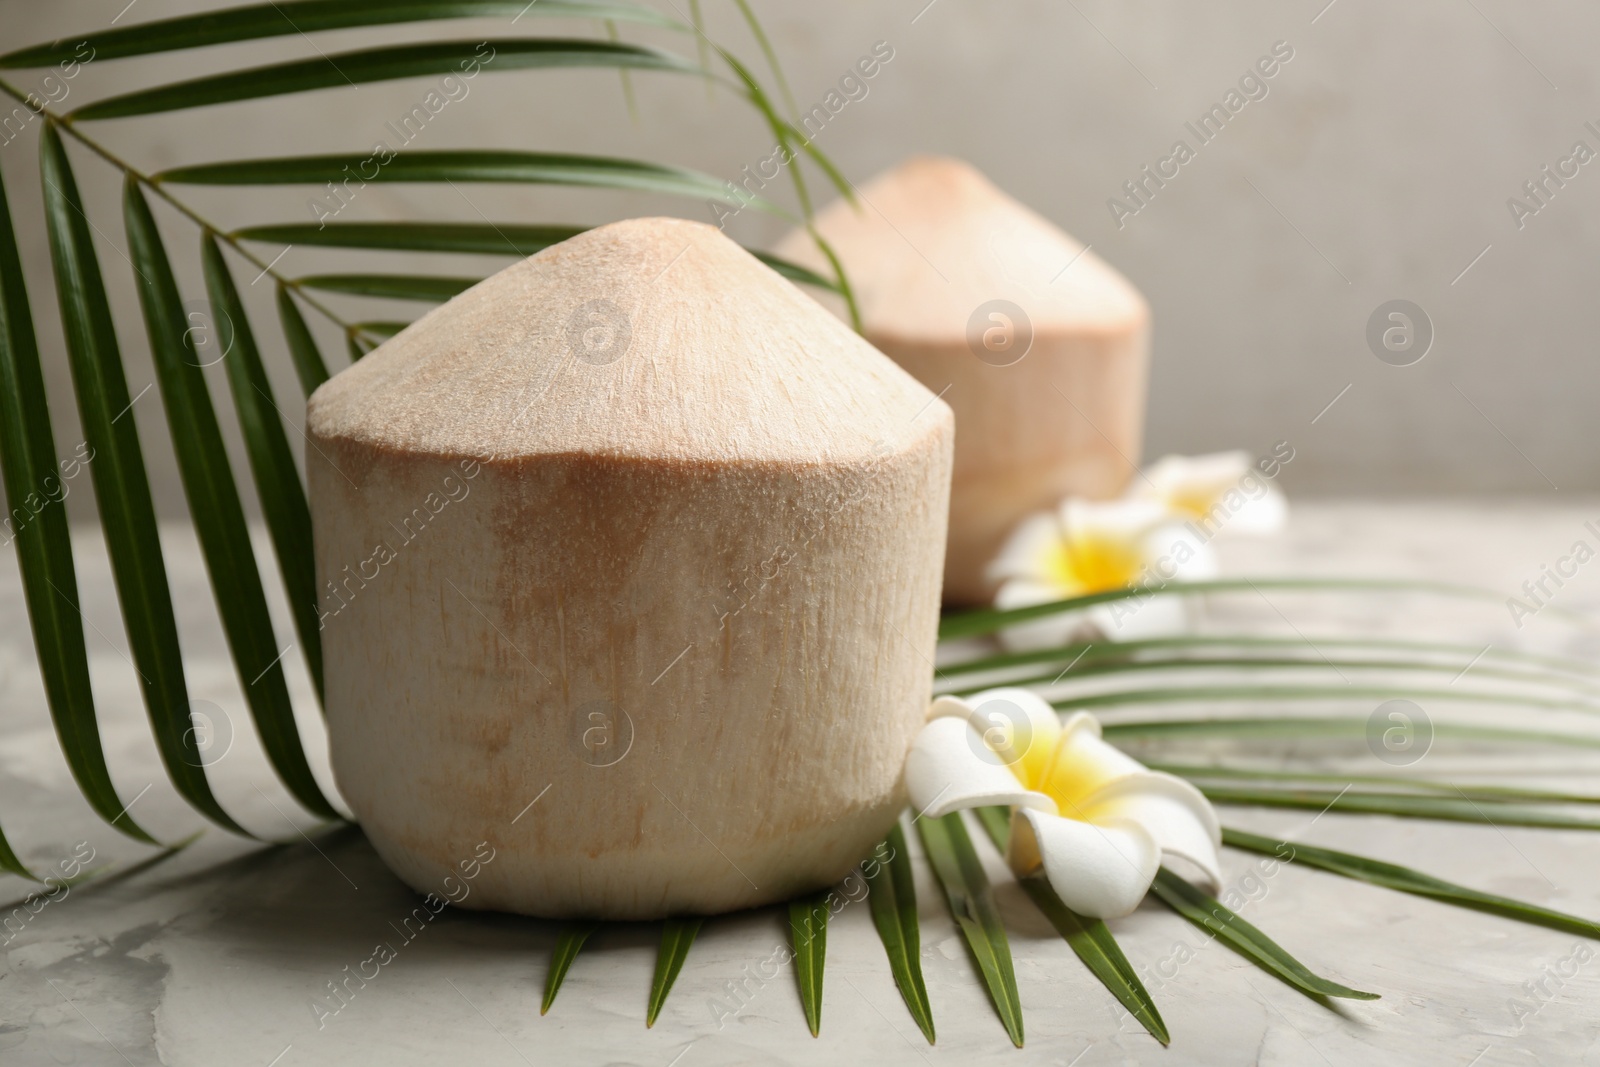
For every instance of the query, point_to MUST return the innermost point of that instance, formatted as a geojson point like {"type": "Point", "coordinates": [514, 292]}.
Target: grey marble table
{"type": "Point", "coordinates": [221, 953]}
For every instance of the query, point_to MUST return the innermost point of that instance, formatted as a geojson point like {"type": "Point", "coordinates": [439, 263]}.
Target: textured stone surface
{"type": "Point", "coordinates": [217, 955]}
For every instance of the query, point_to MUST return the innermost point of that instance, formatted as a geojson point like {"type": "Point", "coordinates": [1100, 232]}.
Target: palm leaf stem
{"type": "Point", "coordinates": [144, 179]}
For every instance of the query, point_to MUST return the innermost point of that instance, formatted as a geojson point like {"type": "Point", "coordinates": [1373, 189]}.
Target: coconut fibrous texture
{"type": "Point", "coordinates": [1039, 347]}
{"type": "Point", "coordinates": [629, 560]}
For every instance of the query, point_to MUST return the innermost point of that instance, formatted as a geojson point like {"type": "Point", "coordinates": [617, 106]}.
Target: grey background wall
{"type": "Point", "coordinates": [1378, 166]}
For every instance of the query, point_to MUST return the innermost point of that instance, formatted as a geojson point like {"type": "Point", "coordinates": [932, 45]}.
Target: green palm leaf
{"type": "Point", "coordinates": [769, 52]}
{"type": "Point", "coordinates": [1089, 938]}
{"type": "Point", "coordinates": [988, 620]}
{"type": "Point", "coordinates": [775, 122]}
{"type": "Point", "coordinates": [127, 516]}
{"type": "Point", "coordinates": [972, 905]}
{"type": "Point", "coordinates": [308, 364]}
{"type": "Point", "coordinates": [805, 276]}
{"type": "Point", "coordinates": [568, 944]}
{"type": "Point", "coordinates": [1108, 665]}
{"type": "Point", "coordinates": [697, 24]}
{"type": "Point", "coordinates": [1349, 728]}
{"type": "Point", "coordinates": [28, 463]}
{"type": "Point", "coordinates": [1226, 926]}
{"type": "Point", "coordinates": [1282, 694]}
{"type": "Point", "coordinates": [629, 100]}
{"type": "Point", "coordinates": [1092, 651]}
{"type": "Point", "coordinates": [487, 238]}
{"type": "Point", "coordinates": [1471, 790]}
{"type": "Point", "coordinates": [383, 64]}
{"type": "Point", "coordinates": [306, 16]}
{"type": "Point", "coordinates": [538, 168]}
{"type": "Point", "coordinates": [842, 284]}
{"type": "Point", "coordinates": [391, 286]}
{"type": "Point", "coordinates": [892, 898]}
{"type": "Point", "coordinates": [283, 499]}
{"type": "Point", "coordinates": [1406, 880]}
{"type": "Point", "coordinates": [787, 136]}
{"type": "Point", "coordinates": [677, 937]}
{"type": "Point", "coordinates": [808, 937]}
{"type": "Point", "coordinates": [377, 331]}
{"type": "Point", "coordinates": [1404, 805]}
{"type": "Point", "coordinates": [494, 239]}
{"type": "Point", "coordinates": [214, 504]}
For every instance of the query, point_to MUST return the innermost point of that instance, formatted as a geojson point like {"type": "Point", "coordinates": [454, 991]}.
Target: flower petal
{"type": "Point", "coordinates": [1178, 552]}
{"type": "Point", "coordinates": [1099, 871]}
{"type": "Point", "coordinates": [1021, 727]}
{"type": "Point", "coordinates": [951, 767]}
{"type": "Point", "coordinates": [1265, 513]}
{"type": "Point", "coordinates": [1050, 631]}
{"type": "Point", "coordinates": [1217, 469]}
{"type": "Point", "coordinates": [949, 707]}
{"type": "Point", "coordinates": [1138, 618]}
{"type": "Point", "coordinates": [1177, 817]}
{"type": "Point", "coordinates": [1221, 493]}
{"type": "Point", "coordinates": [1027, 552]}
{"type": "Point", "coordinates": [1084, 763]}
{"type": "Point", "coordinates": [1127, 519]}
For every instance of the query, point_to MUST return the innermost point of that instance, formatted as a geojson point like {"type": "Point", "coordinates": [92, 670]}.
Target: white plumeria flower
{"type": "Point", "coordinates": [1218, 493]}
{"type": "Point", "coordinates": [1094, 547]}
{"type": "Point", "coordinates": [1095, 821]}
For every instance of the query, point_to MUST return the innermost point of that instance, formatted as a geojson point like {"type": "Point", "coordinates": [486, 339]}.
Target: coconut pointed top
{"type": "Point", "coordinates": [652, 338]}
{"type": "Point", "coordinates": [933, 239]}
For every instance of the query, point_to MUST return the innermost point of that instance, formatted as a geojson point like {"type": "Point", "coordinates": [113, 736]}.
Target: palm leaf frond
{"type": "Point", "coordinates": [1350, 728]}
{"type": "Point", "coordinates": [1087, 652]}
{"type": "Point", "coordinates": [569, 942]}
{"type": "Point", "coordinates": [127, 517]}
{"type": "Point", "coordinates": [1121, 666]}
{"type": "Point", "coordinates": [491, 239]}
{"type": "Point", "coordinates": [1226, 926]}
{"type": "Point", "coordinates": [892, 897]}
{"type": "Point", "coordinates": [1286, 694]}
{"type": "Point", "coordinates": [1403, 805]}
{"type": "Point", "coordinates": [283, 498]}
{"type": "Point", "coordinates": [383, 64]}
{"type": "Point", "coordinates": [494, 239]}
{"type": "Point", "coordinates": [505, 165]}
{"type": "Point", "coordinates": [376, 332]}
{"type": "Point", "coordinates": [808, 937]}
{"type": "Point", "coordinates": [215, 507]}
{"type": "Point", "coordinates": [1202, 773]}
{"type": "Point", "coordinates": [975, 623]}
{"type": "Point", "coordinates": [37, 524]}
{"type": "Point", "coordinates": [1090, 939]}
{"type": "Point", "coordinates": [291, 17]}
{"type": "Point", "coordinates": [775, 122]}
{"type": "Point", "coordinates": [966, 889]}
{"type": "Point", "coordinates": [771, 54]}
{"type": "Point", "coordinates": [308, 362]}
{"type": "Point", "coordinates": [427, 288]}
{"type": "Point", "coordinates": [677, 937]}
{"type": "Point", "coordinates": [1406, 880]}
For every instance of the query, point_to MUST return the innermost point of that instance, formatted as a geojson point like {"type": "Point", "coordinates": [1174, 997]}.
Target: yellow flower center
{"type": "Point", "coordinates": [1094, 563]}
{"type": "Point", "coordinates": [1069, 773]}
{"type": "Point", "coordinates": [1193, 500]}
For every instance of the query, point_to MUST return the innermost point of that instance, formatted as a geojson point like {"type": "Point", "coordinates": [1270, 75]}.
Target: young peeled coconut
{"type": "Point", "coordinates": [1038, 346]}
{"type": "Point", "coordinates": [630, 563]}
